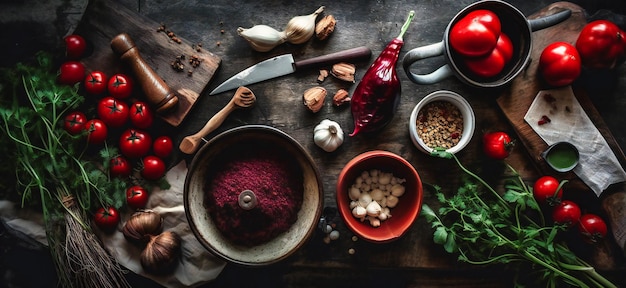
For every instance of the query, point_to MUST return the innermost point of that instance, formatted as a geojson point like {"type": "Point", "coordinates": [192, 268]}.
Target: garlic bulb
{"type": "Point", "coordinates": [301, 28]}
{"type": "Point", "coordinates": [262, 38]}
{"type": "Point", "coordinates": [328, 135]}
{"type": "Point", "coordinates": [142, 225]}
{"type": "Point", "coordinates": [162, 253]}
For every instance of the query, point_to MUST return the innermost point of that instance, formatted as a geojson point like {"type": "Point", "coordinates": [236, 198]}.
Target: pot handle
{"type": "Point", "coordinates": [424, 52]}
{"type": "Point", "coordinates": [551, 20]}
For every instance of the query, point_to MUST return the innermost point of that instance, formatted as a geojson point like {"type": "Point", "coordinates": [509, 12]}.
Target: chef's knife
{"type": "Point", "coordinates": [285, 64]}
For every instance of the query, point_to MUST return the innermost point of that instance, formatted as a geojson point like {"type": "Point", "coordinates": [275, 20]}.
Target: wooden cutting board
{"type": "Point", "coordinates": [516, 101]}
{"type": "Point", "coordinates": [105, 19]}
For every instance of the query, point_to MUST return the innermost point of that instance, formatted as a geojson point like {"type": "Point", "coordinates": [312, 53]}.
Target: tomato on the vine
{"type": "Point", "coordinates": [120, 167]}
{"type": "Point", "coordinates": [153, 168]}
{"type": "Point", "coordinates": [545, 190]}
{"type": "Point", "coordinates": [492, 63]}
{"type": "Point", "coordinates": [71, 72]}
{"type": "Point", "coordinates": [107, 218]}
{"type": "Point", "coordinates": [135, 143]}
{"type": "Point", "coordinates": [162, 146]}
{"type": "Point", "coordinates": [95, 82]}
{"type": "Point", "coordinates": [592, 228]}
{"type": "Point", "coordinates": [137, 197]}
{"type": "Point", "coordinates": [601, 44]}
{"type": "Point", "coordinates": [74, 122]}
{"type": "Point", "coordinates": [75, 46]}
{"type": "Point", "coordinates": [120, 86]}
{"type": "Point", "coordinates": [96, 131]}
{"type": "Point", "coordinates": [112, 111]}
{"type": "Point", "coordinates": [476, 34]}
{"type": "Point", "coordinates": [567, 212]}
{"type": "Point", "coordinates": [497, 145]}
{"type": "Point", "coordinates": [141, 115]}
{"type": "Point", "coordinates": [560, 64]}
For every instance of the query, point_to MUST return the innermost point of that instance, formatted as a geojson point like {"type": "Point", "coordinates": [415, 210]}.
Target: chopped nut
{"type": "Point", "coordinates": [322, 76]}
{"type": "Point", "coordinates": [325, 27]}
{"type": "Point", "coordinates": [344, 71]}
{"type": "Point", "coordinates": [314, 98]}
{"type": "Point", "coordinates": [341, 97]}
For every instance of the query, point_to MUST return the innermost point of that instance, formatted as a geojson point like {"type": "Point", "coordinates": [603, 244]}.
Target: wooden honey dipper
{"type": "Point", "coordinates": [158, 94]}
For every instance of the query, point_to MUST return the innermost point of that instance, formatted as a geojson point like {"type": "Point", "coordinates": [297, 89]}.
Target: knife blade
{"type": "Point", "coordinates": [285, 64]}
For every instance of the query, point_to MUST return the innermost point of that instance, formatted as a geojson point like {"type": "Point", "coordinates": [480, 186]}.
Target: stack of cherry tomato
{"type": "Point", "coordinates": [479, 39]}
{"type": "Point", "coordinates": [548, 192]}
{"type": "Point", "coordinates": [600, 45]}
{"type": "Point", "coordinates": [115, 112]}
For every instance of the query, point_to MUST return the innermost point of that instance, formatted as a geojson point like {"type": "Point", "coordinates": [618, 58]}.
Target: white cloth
{"type": "Point", "coordinates": [598, 166]}
{"type": "Point", "coordinates": [196, 267]}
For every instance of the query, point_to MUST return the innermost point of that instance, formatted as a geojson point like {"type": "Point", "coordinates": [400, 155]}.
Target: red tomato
{"type": "Point", "coordinates": [135, 143]}
{"type": "Point", "coordinates": [74, 122]}
{"type": "Point", "coordinates": [137, 197]}
{"type": "Point", "coordinates": [544, 191]}
{"type": "Point", "coordinates": [475, 34]}
{"type": "Point", "coordinates": [566, 212]}
{"type": "Point", "coordinates": [601, 44]}
{"type": "Point", "coordinates": [153, 168]}
{"type": "Point", "coordinates": [493, 63]}
{"type": "Point", "coordinates": [497, 145]}
{"type": "Point", "coordinates": [75, 46]}
{"type": "Point", "coordinates": [141, 115]}
{"type": "Point", "coordinates": [120, 86]}
{"type": "Point", "coordinates": [112, 111]}
{"type": "Point", "coordinates": [107, 218]}
{"type": "Point", "coordinates": [559, 64]}
{"type": "Point", "coordinates": [592, 227]}
{"type": "Point", "coordinates": [163, 146]}
{"type": "Point", "coordinates": [95, 82]}
{"type": "Point", "coordinates": [97, 131]}
{"type": "Point", "coordinates": [120, 167]}
{"type": "Point", "coordinates": [71, 72]}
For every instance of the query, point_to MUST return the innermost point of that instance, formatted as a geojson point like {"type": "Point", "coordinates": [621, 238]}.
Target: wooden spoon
{"type": "Point", "coordinates": [243, 98]}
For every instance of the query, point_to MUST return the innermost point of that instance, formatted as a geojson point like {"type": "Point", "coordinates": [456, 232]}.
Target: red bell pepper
{"type": "Point", "coordinates": [601, 44]}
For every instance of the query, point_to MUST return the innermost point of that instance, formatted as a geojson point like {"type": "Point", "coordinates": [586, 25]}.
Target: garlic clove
{"type": "Point", "coordinates": [262, 38]}
{"type": "Point", "coordinates": [301, 28]}
{"type": "Point", "coordinates": [397, 190]}
{"type": "Point", "coordinates": [373, 209]}
{"type": "Point", "coordinates": [354, 193]}
{"type": "Point", "coordinates": [359, 212]}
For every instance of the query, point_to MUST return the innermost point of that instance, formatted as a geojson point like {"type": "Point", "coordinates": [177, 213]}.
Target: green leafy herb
{"type": "Point", "coordinates": [485, 227]}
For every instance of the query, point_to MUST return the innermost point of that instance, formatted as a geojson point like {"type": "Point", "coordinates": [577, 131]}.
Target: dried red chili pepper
{"type": "Point", "coordinates": [377, 95]}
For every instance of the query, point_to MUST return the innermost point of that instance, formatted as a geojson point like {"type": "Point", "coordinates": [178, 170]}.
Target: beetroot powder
{"type": "Point", "coordinates": [276, 180]}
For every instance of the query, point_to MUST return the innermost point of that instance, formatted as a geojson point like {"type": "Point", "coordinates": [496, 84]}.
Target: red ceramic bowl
{"type": "Point", "coordinates": [403, 215]}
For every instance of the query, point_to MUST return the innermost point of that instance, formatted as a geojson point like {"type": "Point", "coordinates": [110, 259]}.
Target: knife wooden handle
{"type": "Point", "coordinates": [158, 94]}
{"type": "Point", "coordinates": [358, 53]}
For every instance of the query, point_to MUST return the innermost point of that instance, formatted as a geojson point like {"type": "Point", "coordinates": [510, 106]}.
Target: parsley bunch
{"type": "Point", "coordinates": [486, 227]}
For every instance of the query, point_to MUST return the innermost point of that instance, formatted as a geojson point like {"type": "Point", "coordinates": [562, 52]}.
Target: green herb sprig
{"type": "Point", "coordinates": [485, 227]}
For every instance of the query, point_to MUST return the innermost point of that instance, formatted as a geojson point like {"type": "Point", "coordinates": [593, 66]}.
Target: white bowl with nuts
{"type": "Point", "coordinates": [442, 120]}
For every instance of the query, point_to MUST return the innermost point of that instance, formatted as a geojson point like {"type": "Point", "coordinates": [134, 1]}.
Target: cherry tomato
{"type": "Point", "coordinates": [97, 131]}
{"type": "Point", "coordinates": [137, 197]}
{"type": "Point", "coordinates": [494, 62]}
{"type": "Point", "coordinates": [71, 72]}
{"type": "Point", "coordinates": [163, 146]}
{"type": "Point", "coordinates": [74, 122]}
{"type": "Point", "coordinates": [120, 167]}
{"type": "Point", "coordinates": [75, 46]}
{"type": "Point", "coordinates": [135, 143]}
{"type": "Point", "coordinates": [567, 212]}
{"type": "Point", "coordinates": [112, 111]}
{"type": "Point", "coordinates": [601, 44]}
{"type": "Point", "coordinates": [153, 168]}
{"type": "Point", "coordinates": [476, 34]}
{"type": "Point", "coordinates": [95, 83]}
{"type": "Point", "coordinates": [141, 115]}
{"type": "Point", "coordinates": [544, 190]}
{"type": "Point", "coordinates": [120, 86]}
{"type": "Point", "coordinates": [107, 218]}
{"type": "Point", "coordinates": [559, 64]}
{"type": "Point", "coordinates": [497, 145]}
{"type": "Point", "coordinates": [592, 227]}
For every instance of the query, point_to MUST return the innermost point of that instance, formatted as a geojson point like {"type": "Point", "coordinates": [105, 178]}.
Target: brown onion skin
{"type": "Point", "coordinates": [162, 253]}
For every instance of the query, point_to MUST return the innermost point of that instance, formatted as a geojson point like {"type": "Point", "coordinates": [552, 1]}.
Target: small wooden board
{"type": "Point", "coordinates": [104, 19]}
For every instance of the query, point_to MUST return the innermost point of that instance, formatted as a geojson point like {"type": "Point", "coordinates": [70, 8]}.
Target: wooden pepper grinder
{"type": "Point", "coordinates": [158, 94]}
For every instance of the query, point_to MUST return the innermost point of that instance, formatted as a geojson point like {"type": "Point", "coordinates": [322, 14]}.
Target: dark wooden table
{"type": "Point", "coordinates": [413, 260]}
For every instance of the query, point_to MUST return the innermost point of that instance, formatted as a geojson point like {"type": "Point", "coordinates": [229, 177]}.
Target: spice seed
{"type": "Point", "coordinates": [440, 124]}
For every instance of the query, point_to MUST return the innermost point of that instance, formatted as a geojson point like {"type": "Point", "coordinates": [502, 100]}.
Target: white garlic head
{"type": "Point", "coordinates": [328, 135]}
{"type": "Point", "coordinates": [262, 38]}
{"type": "Point", "coordinates": [301, 28]}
